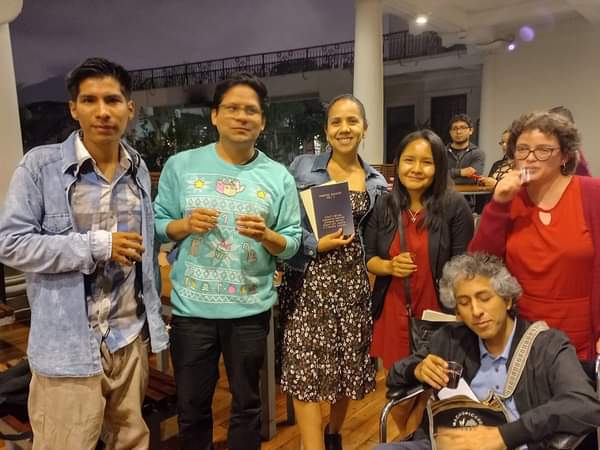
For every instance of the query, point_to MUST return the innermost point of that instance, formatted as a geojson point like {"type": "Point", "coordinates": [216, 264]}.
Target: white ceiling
{"type": "Point", "coordinates": [483, 21]}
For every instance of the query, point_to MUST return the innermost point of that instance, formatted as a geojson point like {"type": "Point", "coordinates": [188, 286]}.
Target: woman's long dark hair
{"type": "Point", "coordinates": [433, 197]}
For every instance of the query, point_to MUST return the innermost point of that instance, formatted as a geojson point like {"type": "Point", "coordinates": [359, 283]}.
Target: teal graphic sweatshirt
{"type": "Point", "coordinates": [222, 274]}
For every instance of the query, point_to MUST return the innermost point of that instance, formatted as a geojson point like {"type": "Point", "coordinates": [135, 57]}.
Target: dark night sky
{"type": "Point", "coordinates": [52, 36]}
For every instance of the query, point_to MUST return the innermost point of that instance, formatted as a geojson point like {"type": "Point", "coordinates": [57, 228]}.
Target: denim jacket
{"type": "Point", "coordinates": [38, 237]}
{"type": "Point", "coordinates": [311, 170]}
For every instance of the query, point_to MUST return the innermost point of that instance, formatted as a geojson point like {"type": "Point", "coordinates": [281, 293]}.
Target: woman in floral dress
{"type": "Point", "coordinates": [326, 311]}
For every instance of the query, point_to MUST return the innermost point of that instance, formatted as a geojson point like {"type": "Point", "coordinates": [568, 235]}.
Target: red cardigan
{"type": "Point", "coordinates": [495, 225]}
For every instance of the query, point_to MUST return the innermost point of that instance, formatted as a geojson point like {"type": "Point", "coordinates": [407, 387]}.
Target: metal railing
{"type": "Point", "coordinates": [340, 55]}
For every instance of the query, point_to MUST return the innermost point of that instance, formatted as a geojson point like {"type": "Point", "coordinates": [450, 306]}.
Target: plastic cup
{"type": "Point", "coordinates": [454, 372]}
{"type": "Point", "coordinates": [524, 175]}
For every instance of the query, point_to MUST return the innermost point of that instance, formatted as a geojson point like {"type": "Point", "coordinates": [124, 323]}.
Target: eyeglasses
{"type": "Point", "coordinates": [540, 152]}
{"type": "Point", "coordinates": [233, 110]}
{"type": "Point", "coordinates": [460, 128]}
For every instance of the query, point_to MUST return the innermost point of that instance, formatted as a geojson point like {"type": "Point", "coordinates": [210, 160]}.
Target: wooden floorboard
{"type": "Point", "coordinates": [360, 431]}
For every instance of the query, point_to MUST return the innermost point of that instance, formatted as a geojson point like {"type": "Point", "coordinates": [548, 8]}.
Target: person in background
{"type": "Point", "coordinates": [502, 166]}
{"type": "Point", "coordinates": [582, 165]}
{"type": "Point", "coordinates": [78, 222]}
{"type": "Point", "coordinates": [325, 293]}
{"type": "Point", "coordinates": [545, 222]}
{"type": "Point", "coordinates": [465, 159]}
{"type": "Point", "coordinates": [233, 212]}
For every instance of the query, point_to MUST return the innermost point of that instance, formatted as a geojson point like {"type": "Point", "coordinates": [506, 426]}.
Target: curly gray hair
{"type": "Point", "coordinates": [479, 264]}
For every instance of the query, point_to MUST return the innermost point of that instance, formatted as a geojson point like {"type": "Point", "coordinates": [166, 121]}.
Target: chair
{"type": "Point", "coordinates": [566, 442]}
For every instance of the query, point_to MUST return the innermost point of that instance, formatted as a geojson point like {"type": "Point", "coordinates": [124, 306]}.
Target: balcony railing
{"type": "Point", "coordinates": [396, 46]}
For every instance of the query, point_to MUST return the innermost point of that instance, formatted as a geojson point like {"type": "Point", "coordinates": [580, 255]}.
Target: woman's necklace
{"type": "Point", "coordinates": [413, 216]}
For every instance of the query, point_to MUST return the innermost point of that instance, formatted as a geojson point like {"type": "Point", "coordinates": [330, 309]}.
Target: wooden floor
{"type": "Point", "coordinates": [360, 431]}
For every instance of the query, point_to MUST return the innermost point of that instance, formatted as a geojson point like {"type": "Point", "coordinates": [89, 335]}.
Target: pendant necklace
{"type": "Point", "coordinates": [413, 216]}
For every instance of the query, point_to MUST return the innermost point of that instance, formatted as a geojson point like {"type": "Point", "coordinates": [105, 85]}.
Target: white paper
{"type": "Point", "coordinates": [437, 316]}
{"type": "Point", "coordinates": [462, 389]}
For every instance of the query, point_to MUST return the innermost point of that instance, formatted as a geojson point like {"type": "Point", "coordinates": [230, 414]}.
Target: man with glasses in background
{"type": "Point", "coordinates": [465, 160]}
{"type": "Point", "coordinates": [233, 212]}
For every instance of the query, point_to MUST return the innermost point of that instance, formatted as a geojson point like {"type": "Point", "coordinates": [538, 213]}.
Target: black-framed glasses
{"type": "Point", "coordinates": [460, 128]}
{"type": "Point", "coordinates": [540, 152]}
{"type": "Point", "coordinates": [232, 109]}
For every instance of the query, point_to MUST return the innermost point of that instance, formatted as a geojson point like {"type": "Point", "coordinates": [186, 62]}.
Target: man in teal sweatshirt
{"type": "Point", "coordinates": [233, 212]}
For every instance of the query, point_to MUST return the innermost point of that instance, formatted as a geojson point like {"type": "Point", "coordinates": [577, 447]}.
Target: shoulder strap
{"type": "Point", "coordinates": [405, 280]}
{"type": "Point", "coordinates": [517, 364]}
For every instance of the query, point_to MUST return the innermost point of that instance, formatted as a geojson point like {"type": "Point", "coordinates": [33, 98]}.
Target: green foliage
{"type": "Point", "coordinates": [291, 129]}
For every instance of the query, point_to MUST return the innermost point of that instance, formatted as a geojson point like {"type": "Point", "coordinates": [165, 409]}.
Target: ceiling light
{"type": "Point", "coordinates": [421, 20]}
{"type": "Point", "coordinates": [511, 46]}
{"type": "Point", "coordinates": [526, 33]}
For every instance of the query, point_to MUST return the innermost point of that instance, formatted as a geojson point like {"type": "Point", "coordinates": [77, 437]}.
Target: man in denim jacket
{"type": "Point", "coordinates": [78, 222]}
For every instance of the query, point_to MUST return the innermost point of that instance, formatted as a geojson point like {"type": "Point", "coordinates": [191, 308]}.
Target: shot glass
{"type": "Point", "coordinates": [524, 175]}
{"type": "Point", "coordinates": [454, 372]}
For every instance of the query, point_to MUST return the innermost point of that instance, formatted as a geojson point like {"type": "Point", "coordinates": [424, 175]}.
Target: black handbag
{"type": "Point", "coordinates": [419, 331]}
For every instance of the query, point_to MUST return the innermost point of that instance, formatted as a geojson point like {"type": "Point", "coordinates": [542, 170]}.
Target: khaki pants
{"type": "Point", "coordinates": [71, 413]}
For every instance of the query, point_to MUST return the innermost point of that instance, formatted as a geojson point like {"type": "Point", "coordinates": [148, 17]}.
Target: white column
{"type": "Point", "coordinates": [11, 146]}
{"type": "Point", "coordinates": [489, 128]}
{"type": "Point", "coordinates": [368, 74]}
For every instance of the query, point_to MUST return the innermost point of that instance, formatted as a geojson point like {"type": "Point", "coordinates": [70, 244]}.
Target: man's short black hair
{"type": "Point", "coordinates": [460, 118]}
{"type": "Point", "coordinates": [97, 68]}
{"type": "Point", "coordinates": [246, 79]}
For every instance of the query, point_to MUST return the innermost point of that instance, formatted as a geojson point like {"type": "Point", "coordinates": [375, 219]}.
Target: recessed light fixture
{"type": "Point", "coordinates": [421, 20]}
{"type": "Point", "coordinates": [511, 46]}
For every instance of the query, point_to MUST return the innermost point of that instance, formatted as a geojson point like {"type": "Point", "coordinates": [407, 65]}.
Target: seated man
{"type": "Point", "coordinates": [553, 395]}
{"type": "Point", "coordinates": [465, 159]}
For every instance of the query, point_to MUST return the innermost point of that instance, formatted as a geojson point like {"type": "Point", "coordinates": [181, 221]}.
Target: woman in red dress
{"type": "Point", "coordinates": [437, 224]}
{"type": "Point", "coordinates": [545, 222]}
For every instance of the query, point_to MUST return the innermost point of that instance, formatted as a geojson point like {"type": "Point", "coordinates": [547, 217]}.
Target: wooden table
{"type": "Point", "coordinates": [475, 195]}
{"type": "Point", "coordinates": [473, 189]}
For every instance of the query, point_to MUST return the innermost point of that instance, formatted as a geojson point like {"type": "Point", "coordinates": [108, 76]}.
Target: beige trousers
{"type": "Point", "coordinates": [72, 413]}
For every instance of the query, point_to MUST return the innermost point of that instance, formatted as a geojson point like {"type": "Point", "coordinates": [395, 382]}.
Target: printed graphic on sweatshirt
{"type": "Point", "coordinates": [222, 266]}
{"type": "Point", "coordinates": [211, 285]}
{"type": "Point", "coordinates": [229, 187]}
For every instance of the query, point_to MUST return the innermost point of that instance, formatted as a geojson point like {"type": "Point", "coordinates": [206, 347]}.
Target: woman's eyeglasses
{"type": "Point", "coordinates": [540, 152]}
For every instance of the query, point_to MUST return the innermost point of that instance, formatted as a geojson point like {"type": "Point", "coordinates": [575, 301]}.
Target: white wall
{"type": "Point", "coordinates": [418, 89]}
{"type": "Point", "coordinates": [561, 67]}
{"type": "Point", "coordinates": [11, 147]}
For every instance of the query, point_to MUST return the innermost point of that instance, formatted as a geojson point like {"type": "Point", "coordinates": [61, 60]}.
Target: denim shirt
{"type": "Point", "coordinates": [311, 170]}
{"type": "Point", "coordinates": [38, 237]}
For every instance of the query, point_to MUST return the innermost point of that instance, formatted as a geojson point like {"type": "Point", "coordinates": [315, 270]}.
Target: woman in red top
{"type": "Point", "coordinates": [437, 224]}
{"type": "Point", "coordinates": [542, 220]}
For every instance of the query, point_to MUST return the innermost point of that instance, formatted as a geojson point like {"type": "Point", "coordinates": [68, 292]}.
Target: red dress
{"type": "Point", "coordinates": [390, 331]}
{"type": "Point", "coordinates": [553, 264]}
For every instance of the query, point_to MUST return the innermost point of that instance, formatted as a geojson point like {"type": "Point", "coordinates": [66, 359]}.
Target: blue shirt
{"type": "Point", "coordinates": [114, 206]}
{"type": "Point", "coordinates": [492, 374]}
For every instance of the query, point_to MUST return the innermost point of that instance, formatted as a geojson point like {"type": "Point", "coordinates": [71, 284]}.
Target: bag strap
{"type": "Point", "coordinates": [405, 280]}
{"type": "Point", "coordinates": [519, 359]}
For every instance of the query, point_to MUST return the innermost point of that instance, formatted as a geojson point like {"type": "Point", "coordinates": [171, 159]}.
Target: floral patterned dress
{"type": "Point", "coordinates": [327, 324]}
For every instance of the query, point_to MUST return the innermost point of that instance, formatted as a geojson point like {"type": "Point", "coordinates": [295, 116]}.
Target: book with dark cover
{"type": "Point", "coordinates": [332, 209]}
